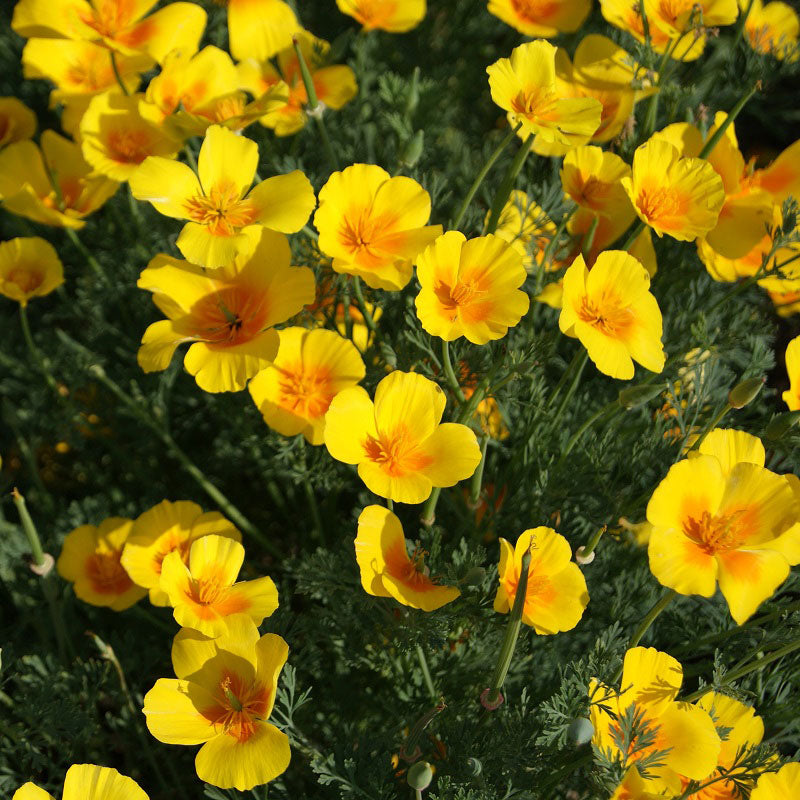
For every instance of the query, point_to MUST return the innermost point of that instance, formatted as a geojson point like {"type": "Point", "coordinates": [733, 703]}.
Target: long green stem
{"type": "Point", "coordinates": [552, 244]}
{"type": "Point", "coordinates": [651, 615]}
{"type": "Point", "coordinates": [363, 307]}
{"type": "Point", "coordinates": [588, 240]}
{"type": "Point", "coordinates": [479, 178]}
{"type": "Point", "coordinates": [477, 477]}
{"type": "Point", "coordinates": [580, 364]}
{"type": "Point", "coordinates": [90, 259]}
{"type": "Point", "coordinates": [508, 184]}
{"type": "Point", "coordinates": [633, 235]}
{"type": "Point", "coordinates": [32, 535]}
{"type": "Point", "coordinates": [311, 498]}
{"type": "Point", "coordinates": [426, 673]}
{"type": "Point", "coordinates": [449, 373]}
{"type": "Point", "coordinates": [732, 114]}
{"type": "Point", "coordinates": [740, 25]}
{"type": "Point", "coordinates": [34, 351]}
{"type": "Point", "coordinates": [710, 427]}
{"type": "Point", "coordinates": [115, 67]}
{"type": "Point", "coordinates": [575, 438]}
{"type": "Point", "coordinates": [190, 159]}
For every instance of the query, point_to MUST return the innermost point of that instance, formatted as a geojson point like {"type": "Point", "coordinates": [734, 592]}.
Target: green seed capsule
{"type": "Point", "coordinates": [745, 392]}
{"type": "Point", "coordinates": [420, 775]}
{"type": "Point", "coordinates": [580, 731]}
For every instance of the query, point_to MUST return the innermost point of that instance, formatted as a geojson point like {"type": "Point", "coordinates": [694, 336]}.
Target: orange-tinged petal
{"type": "Point", "coordinates": [165, 183]}
{"type": "Point", "coordinates": [348, 422]}
{"type": "Point", "coordinates": [409, 401]}
{"type": "Point", "coordinates": [178, 26]}
{"type": "Point", "coordinates": [681, 564]}
{"type": "Point", "coordinates": [411, 487]}
{"type": "Point", "coordinates": [216, 557]}
{"type": "Point", "coordinates": [749, 577]}
{"type": "Point", "coordinates": [422, 593]}
{"type": "Point", "coordinates": [379, 531]}
{"type": "Point", "coordinates": [226, 159]}
{"type": "Point", "coordinates": [453, 453]}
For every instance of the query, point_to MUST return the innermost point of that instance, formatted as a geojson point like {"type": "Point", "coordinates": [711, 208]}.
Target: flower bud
{"type": "Point", "coordinates": [580, 731]}
{"type": "Point", "coordinates": [412, 98]}
{"type": "Point", "coordinates": [474, 767]}
{"type": "Point", "coordinates": [420, 775]}
{"type": "Point", "coordinates": [745, 392]}
{"type": "Point", "coordinates": [781, 425]}
{"type": "Point", "coordinates": [583, 559]}
{"type": "Point", "coordinates": [413, 149]}
{"type": "Point", "coordinates": [635, 396]}
{"type": "Point", "coordinates": [474, 577]}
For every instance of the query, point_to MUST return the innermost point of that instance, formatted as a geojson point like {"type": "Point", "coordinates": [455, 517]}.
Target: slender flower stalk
{"type": "Point", "coordinates": [449, 373]}
{"type": "Point", "coordinates": [732, 114]}
{"type": "Point", "coordinates": [90, 259]}
{"type": "Point", "coordinates": [117, 75]}
{"type": "Point", "coordinates": [552, 244]}
{"type": "Point", "coordinates": [588, 240]}
{"type": "Point", "coordinates": [426, 673]}
{"type": "Point", "coordinates": [507, 185]}
{"type": "Point", "coordinates": [364, 308]}
{"type": "Point", "coordinates": [650, 617]}
{"type": "Point", "coordinates": [34, 351]}
{"type": "Point", "coordinates": [35, 544]}
{"type": "Point", "coordinates": [477, 478]}
{"type": "Point", "coordinates": [576, 370]}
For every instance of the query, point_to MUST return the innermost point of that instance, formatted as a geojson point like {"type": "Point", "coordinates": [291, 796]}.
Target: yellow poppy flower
{"type": "Point", "coordinates": [311, 368]}
{"type": "Point", "coordinates": [401, 449]}
{"type": "Point", "coordinates": [525, 226]}
{"type": "Point", "coordinates": [772, 28]}
{"type": "Point", "coordinates": [260, 28]}
{"type": "Point", "coordinates": [633, 787]}
{"type": "Point", "coordinates": [792, 395]}
{"type": "Point", "coordinates": [613, 313]}
{"type": "Point", "coordinates": [204, 594]}
{"type": "Point", "coordinates": [470, 288]}
{"type": "Point", "coordinates": [54, 185]}
{"type": "Point", "coordinates": [29, 267]}
{"type": "Point", "coordinates": [781, 178]}
{"type": "Point", "coordinates": [165, 528]}
{"type": "Point", "coordinates": [120, 25]}
{"type": "Point", "coordinates": [17, 121]}
{"type": "Point", "coordinates": [225, 215]}
{"type": "Point", "coordinates": [373, 225]}
{"type": "Point", "coordinates": [394, 16]}
{"type": "Point", "coordinates": [591, 178]}
{"type": "Point", "coordinates": [229, 314]}
{"type": "Point", "coordinates": [545, 18]}
{"type": "Point", "coordinates": [386, 568]}
{"type": "Point", "coordinates": [720, 516]}
{"type": "Point", "coordinates": [222, 699]}
{"type": "Point", "coordinates": [90, 560]}
{"type": "Point", "coordinates": [684, 733]}
{"type": "Point", "coordinates": [116, 136]}
{"type": "Point", "coordinates": [556, 594]}
{"type": "Point", "coordinates": [525, 86]}
{"type": "Point", "coordinates": [681, 197]}
{"type": "Point", "coordinates": [87, 782]}
{"type": "Point", "coordinates": [679, 19]}
{"type": "Point", "coordinates": [334, 85]}
{"type": "Point", "coordinates": [781, 785]}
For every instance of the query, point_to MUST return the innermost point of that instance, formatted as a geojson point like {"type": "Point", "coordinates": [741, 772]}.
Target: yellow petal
{"type": "Point", "coordinates": [90, 782]}
{"type": "Point", "coordinates": [260, 28]}
{"type": "Point", "coordinates": [348, 423]}
{"type": "Point", "coordinates": [693, 742]}
{"type": "Point", "coordinates": [731, 447]}
{"type": "Point", "coordinates": [453, 452]}
{"type": "Point", "coordinates": [284, 202]}
{"type": "Point", "coordinates": [30, 791]}
{"type": "Point", "coordinates": [226, 159]}
{"type": "Point", "coordinates": [173, 712]}
{"type": "Point", "coordinates": [165, 183]}
{"type": "Point", "coordinates": [379, 530]}
{"type": "Point", "coordinates": [651, 679]}
{"type": "Point", "coordinates": [749, 577]}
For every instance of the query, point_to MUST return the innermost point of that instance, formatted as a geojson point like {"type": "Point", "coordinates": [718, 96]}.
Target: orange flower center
{"type": "Point", "coordinates": [174, 541]}
{"type": "Point", "coordinates": [304, 391]}
{"type": "Point", "coordinates": [592, 192]}
{"type": "Point", "coordinates": [241, 706]}
{"type": "Point", "coordinates": [455, 297]}
{"type": "Point", "coordinates": [231, 316]}
{"type": "Point", "coordinates": [533, 10]}
{"type": "Point", "coordinates": [671, 10]}
{"type": "Point", "coordinates": [228, 108]}
{"type": "Point", "coordinates": [108, 17]}
{"type": "Point", "coordinates": [106, 573]}
{"type": "Point", "coordinates": [763, 37]}
{"type": "Point", "coordinates": [662, 204]}
{"type": "Point", "coordinates": [397, 453]}
{"type": "Point", "coordinates": [410, 571]}
{"type": "Point", "coordinates": [360, 231]}
{"type": "Point", "coordinates": [90, 74]}
{"type": "Point", "coordinates": [27, 278]}
{"type": "Point", "coordinates": [607, 314]}
{"type": "Point", "coordinates": [535, 102]}
{"type": "Point", "coordinates": [128, 146]}
{"type": "Point", "coordinates": [222, 210]}
{"type": "Point", "coordinates": [721, 790]}
{"type": "Point", "coordinates": [716, 533]}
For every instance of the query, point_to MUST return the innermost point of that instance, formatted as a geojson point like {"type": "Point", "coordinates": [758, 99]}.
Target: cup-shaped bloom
{"type": "Point", "coordinates": [119, 25]}
{"type": "Point", "coordinates": [792, 395]}
{"type": "Point", "coordinates": [386, 568]}
{"type": "Point", "coordinates": [470, 288]}
{"type": "Point", "coordinates": [17, 121]}
{"type": "Point", "coordinates": [260, 28]}
{"type": "Point", "coordinates": [53, 185]}
{"type": "Point", "coordinates": [538, 18]}
{"type": "Point", "coordinates": [401, 449]}
{"type": "Point", "coordinates": [720, 516]}
{"type": "Point", "coordinates": [225, 215]}
{"type": "Point", "coordinates": [90, 560]}
{"type": "Point", "coordinates": [222, 699]}
{"type": "Point", "coordinates": [685, 22]}
{"type": "Point", "coordinates": [591, 178]}
{"type": "Point", "coordinates": [525, 86]}
{"type": "Point", "coordinates": [394, 16]}
{"type": "Point", "coordinates": [613, 313]}
{"type": "Point", "coordinates": [165, 528]}
{"type": "Point", "coordinates": [373, 225]}
{"type": "Point", "coordinates": [29, 267]}
{"type": "Point", "coordinates": [116, 135]}
{"type": "Point", "coordinates": [335, 85]}
{"type": "Point", "coordinates": [772, 28]}
{"type": "Point", "coordinates": [556, 594]}
{"type": "Point", "coordinates": [87, 782]}
{"type": "Point", "coordinates": [294, 393]}
{"type": "Point", "coordinates": [229, 314]}
{"type": "Point", "coordinates": [681, 197]}
{"type": "Point", "coordinates": [781, 785]}
{"type": "Point", "coordinates": [684, 734]}
{"type": "Point", "coordinates": [204, 593]}
{"type": "Point", "coordinates": [525, 225]}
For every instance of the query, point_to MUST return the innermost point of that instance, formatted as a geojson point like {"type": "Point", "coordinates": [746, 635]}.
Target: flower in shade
{"type": "Point", "coordinates": [682, 735]}
{"type": "Point", "coordinates": [781, 785]}
{"type": "Point", "coordinates": [87, 782]}
{"type": "Point", "coordinates": [204, 593]}
{"type": "Point", "coordinates": [634, 787]}
{"type": "Point", "coordinates": [222, 698]}
{"type": "Point", "coordinates": [17, 121]}
{"type": "Point", "coordinates": [525, 86]}
{"type": "Point", "coordinates": [401, 449]}
{"type": "Point", "coordinates": [166, 528]}
{"type": "Point", "coordinates": [29, 267]}
{"type": "Point", "coordinates": [119, 25]}
{"type": "Point", "coordinates": [721, 517]}
{"type": "Point", "coordinates": [772, 28]}
{"type": "Point", "coordinates": [781, 177]}
{"type": "Point", "coordinates": [334, 85]}
{"type": "Point", "coordinates": [225, 216]}
{"type": "Point", "coordinates": [681, 197]}
{"type": "Point", "coordinates": [556, 595]}
{"type": "Point", "coordinates": [591, 178]}
{"type": "Point", "coordinates": [394, 16]}
{"type": "Point", "coordinates": [386, 568]}
{"type": "Point", "coordinates": [228, 314]}
{"type": "Point", "coordinates": [373, 225]}
{"type": "Point", "coordinates": [116, 135]}
{"type": "Point", "coordinates": [611, 310]}
{"type": "Point", "coordinates": [525, 225]}
{"type": "Point", "coordinates": [542, 17]}
{"type": "Point", "coordinates": [53, 185]}
{"type": "Point", "coordinates": [260, 28]}
{"type": "Point", "coordinates": [90, 560]}
{"type": "Point", "coordinates": [792, 395]}
{"type": "Point", "coordinates": [470, 288]}
{"type": "Point", "coordinates": [294, 393]}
